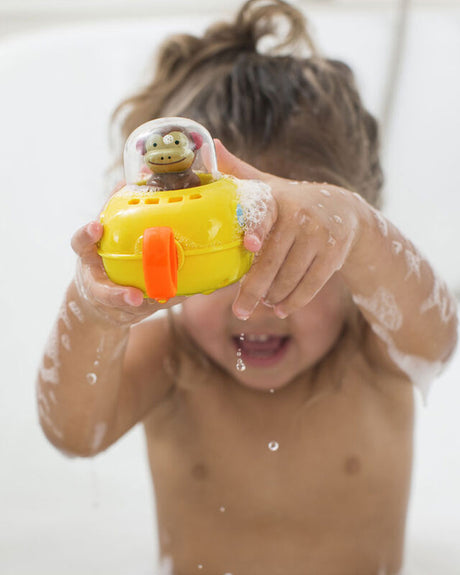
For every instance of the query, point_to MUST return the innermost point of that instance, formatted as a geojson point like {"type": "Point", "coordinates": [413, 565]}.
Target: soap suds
{"type": "Point", "coordinates": [49, 367]}
{"type": "Point", "coordinates": [65, 340]}
{"type": "Point", "coordinates": [396, 247]}
{"type": "Point", "coordinates": [254, 197]}
{"type": "Point", "coordinates": [384, 307]}
{"type": "Point", "coordinates": [420, 371]}
{"type": "Point", "coordinates": [441, 298]}
{"type": "Point", "coordinates": [302, 216]}
{"type": "Point", "coordinates": [64, 316]}
{"type": "Point", "coordinates": [413, 261]}
{"type": "Point", "coordinates": [74, 308]}
{"type": "Point", "coordinates": [382, 223]}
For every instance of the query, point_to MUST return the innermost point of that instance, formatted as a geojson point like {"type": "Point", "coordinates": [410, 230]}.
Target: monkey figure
{"type": "Point", "coordinates": [169, 156]}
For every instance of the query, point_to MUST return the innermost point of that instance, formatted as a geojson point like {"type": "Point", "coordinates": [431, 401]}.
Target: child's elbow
{"type": "Point", "coordinates": [72, 445]}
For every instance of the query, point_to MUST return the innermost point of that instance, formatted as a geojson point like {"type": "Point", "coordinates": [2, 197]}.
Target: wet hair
{"type": "Point", "coordinates": [288, 112]}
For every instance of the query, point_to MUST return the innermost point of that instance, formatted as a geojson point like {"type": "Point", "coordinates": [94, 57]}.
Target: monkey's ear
{"type": "Point", "coordinates": [197, 139]}
{"type": "Point", "coordinates": [140, 146]}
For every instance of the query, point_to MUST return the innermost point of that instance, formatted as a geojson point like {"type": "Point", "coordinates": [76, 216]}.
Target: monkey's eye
{"type": "Point", "coordinates": [155, 144]}
{"type": "Point", "coordinates": [177, 142]}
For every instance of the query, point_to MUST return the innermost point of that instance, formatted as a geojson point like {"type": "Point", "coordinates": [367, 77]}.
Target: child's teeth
{"type": "Point", "coordinates": [257, 337]}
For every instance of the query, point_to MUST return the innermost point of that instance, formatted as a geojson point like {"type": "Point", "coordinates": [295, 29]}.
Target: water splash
{"type": "Point", "coordinates": [240, 365]}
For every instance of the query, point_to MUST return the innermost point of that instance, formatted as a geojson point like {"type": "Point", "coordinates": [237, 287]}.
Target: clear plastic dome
{"type": "Point", "coordinates": [169, 153]}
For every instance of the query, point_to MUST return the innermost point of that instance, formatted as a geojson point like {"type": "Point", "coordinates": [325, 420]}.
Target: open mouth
{"type": "Point", "coordinates": [262, 350]}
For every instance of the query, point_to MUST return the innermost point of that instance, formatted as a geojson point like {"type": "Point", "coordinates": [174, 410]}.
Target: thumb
{"type": "Point", "coordinates": [230, 164]}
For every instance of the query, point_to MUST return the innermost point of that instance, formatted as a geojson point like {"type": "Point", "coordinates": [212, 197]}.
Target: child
{"type": "Point", "coordinates": [301, 463]}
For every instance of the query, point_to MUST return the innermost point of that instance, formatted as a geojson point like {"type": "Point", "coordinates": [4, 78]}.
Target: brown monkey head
{"type": "Point", "coordinates": [170, 152]}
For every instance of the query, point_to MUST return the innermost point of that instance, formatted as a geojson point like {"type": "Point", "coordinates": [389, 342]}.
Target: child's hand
{"type": "Point", "coordinates": [123, 305]}
{"type": "Point", "coordinates": [304, 239]}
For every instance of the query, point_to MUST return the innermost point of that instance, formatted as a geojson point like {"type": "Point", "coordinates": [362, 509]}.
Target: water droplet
{"type": "Point", "coordinates": [222, 509]}
{"type": "Point", "coordinates": [273, 446]}
{"type": "Point", "coordinates": [91, 378]}
{"type": "Point", "coordinates": [272, 391]}
{"type": "Point", "coordinates": [240, 365]}
{"type": "Point", "coordinates": [200, 566]}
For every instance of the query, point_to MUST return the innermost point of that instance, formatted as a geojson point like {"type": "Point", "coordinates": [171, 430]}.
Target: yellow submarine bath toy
{"type": "Point", "coordinates": [173, 230]}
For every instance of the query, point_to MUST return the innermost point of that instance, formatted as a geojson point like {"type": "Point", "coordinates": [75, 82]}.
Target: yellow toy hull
{"type": "Point", "coordinates": [206, 238]}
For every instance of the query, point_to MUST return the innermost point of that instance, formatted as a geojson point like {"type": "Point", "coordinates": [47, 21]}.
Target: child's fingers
{"type": "Point", "coordinates": [230, 164]}
{"type": "Point", "coordinates": [260, 277]}
{"type": "Point", "coordinates": [315, 278]}
{"type": "Point", "coordinates": [95, 285]}
{"type": "Point", "coordinates": [301, 256]}
{"type": "Point", "coordinates": [84, 240]}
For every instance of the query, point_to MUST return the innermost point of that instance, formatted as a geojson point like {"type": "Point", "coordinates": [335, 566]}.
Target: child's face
{"type": "Point", "coordinates": [274, 351]}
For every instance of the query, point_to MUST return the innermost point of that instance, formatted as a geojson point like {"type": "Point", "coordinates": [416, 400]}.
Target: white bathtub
{"type": "Point", "coordinates": [57, 90]}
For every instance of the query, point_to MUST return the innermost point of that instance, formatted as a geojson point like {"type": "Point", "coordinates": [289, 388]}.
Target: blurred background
{"type": "Point", "coordinates": [64, 65]}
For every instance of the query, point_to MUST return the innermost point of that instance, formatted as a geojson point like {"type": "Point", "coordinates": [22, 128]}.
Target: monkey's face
{"type": "Point", "coordinates": [173, 152]}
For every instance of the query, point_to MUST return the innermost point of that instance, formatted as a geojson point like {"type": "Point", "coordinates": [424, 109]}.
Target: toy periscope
{"type": "Point", "coordinates": [175, 228]}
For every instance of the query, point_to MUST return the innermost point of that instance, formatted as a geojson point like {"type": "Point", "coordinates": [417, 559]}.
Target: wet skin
{"type": "Point", "coordinates": [331, 500]}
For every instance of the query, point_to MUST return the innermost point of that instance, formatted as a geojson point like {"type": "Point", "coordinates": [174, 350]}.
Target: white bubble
{"type": "Point", "coordinates": [273, 446]}
{"type": "Point", "coordinates": [73, 306]}
{"type": "Point", "coordinates": [413, 261]}
{"type": "Point", "coordinates": [65, 340]}
{"type": "Point", "coordinates": [91, 378]}
{"type": "Point", "coordinates": [331, 240]}
{"type": "Point", "coordinates": [382, 223]}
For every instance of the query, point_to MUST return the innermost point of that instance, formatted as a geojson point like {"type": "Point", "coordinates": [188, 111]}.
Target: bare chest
{"type": "Point", "coordinates": [330, 465]}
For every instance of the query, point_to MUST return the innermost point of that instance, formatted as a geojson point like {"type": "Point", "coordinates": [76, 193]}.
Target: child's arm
{"type": "Point", "coordinates": [100, 373]}
{"type": "Point", "coordinates": [318, 229]}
